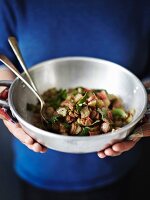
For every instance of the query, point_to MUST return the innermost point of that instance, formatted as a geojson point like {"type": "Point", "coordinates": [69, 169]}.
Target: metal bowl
{"type": "Point", "coordinates": [72, 72]}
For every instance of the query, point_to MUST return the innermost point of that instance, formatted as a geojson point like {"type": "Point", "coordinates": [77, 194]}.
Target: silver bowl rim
{"type": "Point", "coordinates": [67, 137]}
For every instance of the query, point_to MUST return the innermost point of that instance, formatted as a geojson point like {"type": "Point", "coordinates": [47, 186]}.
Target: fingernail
{"type": "Point", "coordinates": [101, 156]}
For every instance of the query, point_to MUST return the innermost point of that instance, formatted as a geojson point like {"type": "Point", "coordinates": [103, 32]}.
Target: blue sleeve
{"type": "Point", "coordinates": [8, 27]}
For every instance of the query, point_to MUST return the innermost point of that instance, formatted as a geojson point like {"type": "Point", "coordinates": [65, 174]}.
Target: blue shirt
{"type": "Point", "coordinates": [114, 30]}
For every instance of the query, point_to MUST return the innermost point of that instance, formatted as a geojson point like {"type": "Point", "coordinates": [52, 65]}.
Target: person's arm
{"type": "Point", "coordinates": [15, 128]}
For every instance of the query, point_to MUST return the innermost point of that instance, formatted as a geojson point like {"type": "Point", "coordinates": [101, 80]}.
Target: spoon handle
{"type": "Point", "coordinates": [10, 65]}
{"type": "Point", "coordinates": [14, 45]}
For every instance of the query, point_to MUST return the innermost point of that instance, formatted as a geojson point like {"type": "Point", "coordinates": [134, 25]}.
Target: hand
{"type": "Point", "coordinates": [20, 134]}
{"type": "Point", "coordinates": [16, 129]}
{"type": "Point", "coordinates": [120, 147]}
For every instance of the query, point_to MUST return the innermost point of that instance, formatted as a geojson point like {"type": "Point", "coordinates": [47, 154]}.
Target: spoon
{"type": "Point", "coordinates": [10, 65]}
{"type": "Point", "coordinates": [15, 47]}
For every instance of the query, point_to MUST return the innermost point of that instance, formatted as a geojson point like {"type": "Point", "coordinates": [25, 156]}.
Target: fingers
{"type": "Point", "coordinates": [101, 154]}
{"type": "Point", "coordinates": [36, 147]}
{"type": "Point", "coordinates": [108, 152]}
{"type": "Point", "coordinates": [20, 134]}
{"type": "Point", "coordinates": [124, 146]}
{"type": "Point", "coordinates": [117, 149]}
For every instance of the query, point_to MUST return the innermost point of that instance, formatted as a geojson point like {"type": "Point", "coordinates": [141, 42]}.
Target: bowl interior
{"type": "Point", "coordinates": [78, 71]}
